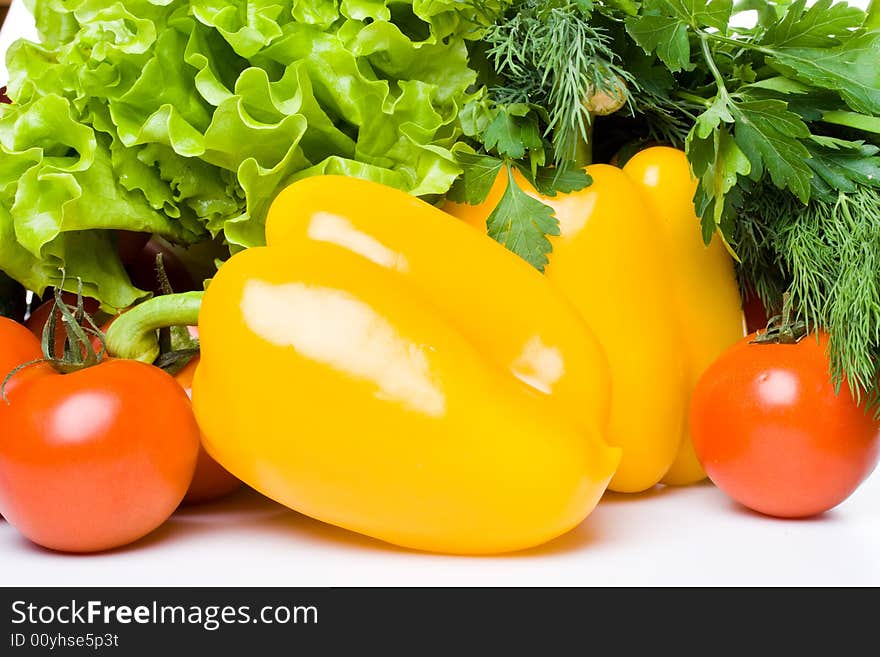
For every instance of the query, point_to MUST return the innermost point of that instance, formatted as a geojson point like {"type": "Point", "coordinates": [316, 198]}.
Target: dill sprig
{"type": "Point", "coordinates": [550, 55]}
{"type": "Point", "coordinates": [827, 256]}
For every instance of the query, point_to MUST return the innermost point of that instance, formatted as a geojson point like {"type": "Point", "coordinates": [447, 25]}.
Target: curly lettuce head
{"type": "Point", "coordinates": [185, 119]}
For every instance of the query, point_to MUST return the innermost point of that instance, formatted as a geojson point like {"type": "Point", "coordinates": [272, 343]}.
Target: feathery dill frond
{"type": "Point", "coordinates": [549, 55]}
{"type": "Point", "coordinates": [827, 255]}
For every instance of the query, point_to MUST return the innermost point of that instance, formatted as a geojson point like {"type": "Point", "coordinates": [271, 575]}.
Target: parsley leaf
{"type": "Point", "coordinates": [821, 25]}
{"type": "Point", "coordinates": [664, 27]}
{"type": "Point", "coordinates": [512, 132]}
{"type": "Point", "coordinates": [718, 162]}
{"type": "Point", "coordinates": [665, 35]}
{"type": "Point", "coordinates": [478, 175]}
{"type": "Point", "coordinates": [715, 13]}
{"type": "Point", "coordinates": [842, 166]}
{"type": "Point", "coordinates": [769, 135]}
{"type": "Point", "coordinates": [522, 223]}
{"type": "Point", "coordinates": [709, 120]}
{"type": "Point", "coordinates": [565, 178]}
{"type": "Point", "coordinates": [851, 69]}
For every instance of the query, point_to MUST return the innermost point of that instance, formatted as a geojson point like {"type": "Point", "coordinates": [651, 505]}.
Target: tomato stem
{"type": "Point", "coordinates": [172, 339]}
{"type": "Point", "coordinates": [79, 329]}
{"type": "Point", "coordinates": [134, 335]}
{"type": "Point", "coordinates": [162, 275]}
{"type": "Point", "coordinates": [784, 328]}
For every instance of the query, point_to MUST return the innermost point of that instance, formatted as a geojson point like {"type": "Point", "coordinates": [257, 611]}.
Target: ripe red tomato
{"type": "Point", "coordinates": [211, 480]}
{"type": "Point", "coordinates": [17, 346]}
{"type": "Point", "coordinates": [95, 459]}
{"type": "Point", "coordinates": [772, 433]}
{"type": "Point", "coordinates": [38, 318]}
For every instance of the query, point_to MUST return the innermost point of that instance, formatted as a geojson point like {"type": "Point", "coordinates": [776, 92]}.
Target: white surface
{"type": "Point", "coordinates": [668, 537]}
{"type": "Point", "coordinates": [688, 537]}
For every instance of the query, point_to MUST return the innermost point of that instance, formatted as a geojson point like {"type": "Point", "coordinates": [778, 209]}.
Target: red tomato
{"type": "Point", "coordinates": [95, 459]}
{"type": "Point", "coordinates": [38, 318]}
{"type": "Point", "coordinates": [17, 346]}
{"type": "Point", "coordinates": [772, 433]}
{"type": "Point", "coordinates": [211, 480]}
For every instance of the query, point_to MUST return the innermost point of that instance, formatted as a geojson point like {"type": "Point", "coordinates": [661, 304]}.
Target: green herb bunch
{"type": "Point", "coordinates": [779, 116]}
{"type": "Point", "coordinates": [786, 150]}
{"type": "Point", "coordinates": [543, 62]}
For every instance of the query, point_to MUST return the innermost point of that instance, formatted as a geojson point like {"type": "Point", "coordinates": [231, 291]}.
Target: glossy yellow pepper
{"type": "Point", "coordinates": [384, 368]}
{"type": "Point", "coordinates": [631, 259]}
{"type": "Point", "coordinates": [708, 297]}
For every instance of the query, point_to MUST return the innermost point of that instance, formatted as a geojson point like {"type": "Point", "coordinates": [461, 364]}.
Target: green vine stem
{"type": "Point", "coordinates": [713, 67]}
{"type": "Point", "coordinates": [694, 99]}
{"type": "Point", "coordinates": [135, 334]}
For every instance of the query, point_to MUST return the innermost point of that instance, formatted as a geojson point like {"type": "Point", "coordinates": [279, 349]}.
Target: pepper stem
{"type": "Point", "coordinates": [135, 334]}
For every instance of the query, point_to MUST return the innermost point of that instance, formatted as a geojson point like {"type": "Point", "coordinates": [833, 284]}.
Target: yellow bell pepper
{"type": "Point", "coordinates": [631, 259]}
{"type": "Point", "coordinates": [709, 302]}
{"type": "Point", "coordinates": [384, 368]}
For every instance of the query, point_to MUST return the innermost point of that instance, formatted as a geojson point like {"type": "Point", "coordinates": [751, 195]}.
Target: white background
{"type": "Point", "coordinates": [693, 536]}
{"type": "Point", "coordinates": [670, 537]}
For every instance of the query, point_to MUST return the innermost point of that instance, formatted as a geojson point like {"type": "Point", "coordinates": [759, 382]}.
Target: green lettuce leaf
{"type": "Point", "coordinates": [186, 119]}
